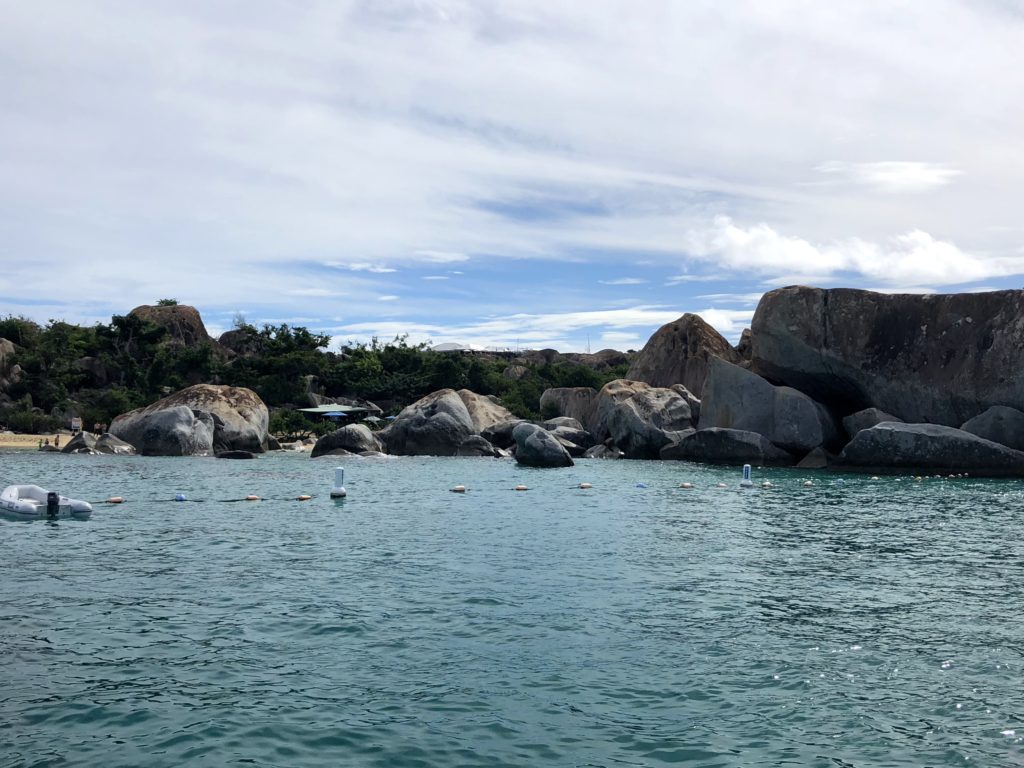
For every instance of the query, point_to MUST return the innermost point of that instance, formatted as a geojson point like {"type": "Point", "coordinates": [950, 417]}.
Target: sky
{"type": "Point", "coordinates": [503, 175]}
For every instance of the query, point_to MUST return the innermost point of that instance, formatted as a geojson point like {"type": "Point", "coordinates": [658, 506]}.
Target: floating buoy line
{"type": "Point", "coordinates": [338, 491]}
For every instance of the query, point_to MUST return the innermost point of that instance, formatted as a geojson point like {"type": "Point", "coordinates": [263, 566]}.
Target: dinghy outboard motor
{"type": "Point", "coordinates": [52, 504]}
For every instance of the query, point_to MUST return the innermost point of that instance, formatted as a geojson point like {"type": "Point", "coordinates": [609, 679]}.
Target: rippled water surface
{"type": "Point", "coordinates": [636, 623]}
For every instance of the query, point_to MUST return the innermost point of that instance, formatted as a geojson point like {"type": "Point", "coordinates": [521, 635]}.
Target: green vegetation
{"type": "Point", "coordinates": [108, 369]}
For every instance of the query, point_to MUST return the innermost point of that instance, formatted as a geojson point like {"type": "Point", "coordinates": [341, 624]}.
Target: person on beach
{"type": "Point", "coordinates": [56, 441]}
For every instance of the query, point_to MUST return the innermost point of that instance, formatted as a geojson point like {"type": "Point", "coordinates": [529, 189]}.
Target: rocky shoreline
{"type": "Point", "coordinates": [844, 379]}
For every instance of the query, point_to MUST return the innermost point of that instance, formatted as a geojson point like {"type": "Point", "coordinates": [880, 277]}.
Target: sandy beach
{"type": "Point", "coordinates": [29, 442]}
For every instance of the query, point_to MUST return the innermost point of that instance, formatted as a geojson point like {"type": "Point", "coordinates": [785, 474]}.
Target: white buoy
{"type": "Point", "coordinates": [746, 482]}
{"type": "Point", "coordinates": [338, 491]}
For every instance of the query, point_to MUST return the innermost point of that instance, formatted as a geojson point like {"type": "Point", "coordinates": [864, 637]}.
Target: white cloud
{"type": "Point", "coordinates": [913, 258]}
{"type": "Point", "coordinates": [441, 257]}
{"type": "Point", "coordinates": [622, 340]}
{"type": "Point", "coordinates": [434, 277]}
{"type": "Point", "coordinates": [623, 281]}
{"type": "Point", "coordinates": [893, 176]}
{"type": "Point", "coordinates": [388, 297]}
{"type": "Point", "coordinates": [391, 135]}
{"type": "Point", "coordinates": [363, 266]}
{"type": "Point", "coordinates": [558, 330]}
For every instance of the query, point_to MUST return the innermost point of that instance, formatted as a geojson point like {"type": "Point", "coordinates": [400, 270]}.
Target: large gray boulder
{"type": "Point", "coordinates": [434, 425]}
{"type": "Point", "coordinates": [174, 430]}
{"type": "Point", "coordinates": [1000, 424]}
{"type": "Point", "coordinates": [107, 443]}
{"type": "Point", "coordinates": [679, 353]}
{"type": "Point", "coordinates": [735, 398]}
{"type": "Point", "coordinates": [603, 451]}
{"type": "Point", "coordinates": [83, 442]}
{"type": "Point", "coordinates": [574, 402]}
{"type": "Point", "coordinates": [240, 416]}
{"type": "Point", "coordinates": [484, 410]}
{"type": "Point", "coordinates": [924, 358]}
{"type": "Point", "coordinates": [691, 400]}
{"type": "Point", "coordinates": [570, 430]}
{"type": "Point", "coordinates": [182, 323]}
{"type": "Point", "coordinates": [237, 419]}
{"type": "Point", "coordinates": [354, 438]}
{"type": "Point", "coordinates": [866, 419]}
{"type": "Point", "coordinates": [10, 372]}
{"type": "Point", "coordinates": [716, 445]}
{"type": "Point", "coordinates": [640, 419]}
{"type": "Point", "coordinates": [474, 445]}
{"type": "Point", "coordinates": [536, 447]}
{"type": "Point", "coordinates": [895, 447]}
{"type": "Point", "coordinates": [500, 434]}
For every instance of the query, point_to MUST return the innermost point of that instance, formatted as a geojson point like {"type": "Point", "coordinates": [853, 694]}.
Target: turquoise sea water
{"type": "Point", "coordinates": [852, 623]}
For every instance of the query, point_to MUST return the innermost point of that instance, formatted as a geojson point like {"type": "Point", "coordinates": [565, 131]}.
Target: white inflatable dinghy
{"type": "Point", "coordinates": [31, 501]}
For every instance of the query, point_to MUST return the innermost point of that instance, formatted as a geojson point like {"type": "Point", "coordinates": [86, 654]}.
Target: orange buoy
{"type": "Point", "coordinates": [115, 500]}
{"type": "Point", "coordinates": [252, 497]}
{"type": "Point", "coordinates": [303, 497]}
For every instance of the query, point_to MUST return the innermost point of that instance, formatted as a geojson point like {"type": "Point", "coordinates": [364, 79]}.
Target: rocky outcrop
{"type": "Point", "coordinates": [183, 323]}
{"type": "Point", "coordinates": [435, 425]}
{"type": "Point", "coordinates": [1000, 424]}
{"type": "Point", "coordinates": [570, 431]}
{"type": "Point", "coordinates": [639, 419]}
{"type": "Point", "coordinates": [604, 360]}
{"type": "Point", "coordinates": [235, 417]}
{"type": "Point", "coordinates": [10, 372]}
{"type": "Point", "coordinates": [729, 446]}
{"type": "Point", "coordinates": [484, 410]}
{"type": "Point", "coordinates": [735, 398]}
{"type": "Point", "coordinates": [816, 459]}
{"type": "Point", "coordinates": [603, 451]}
{"type": "Point", "coordinates": [236, 455]}
{"type": "Point", "coordinates": [898, 447]}
{"type": "Point", "coordinates": [924, 358]}
{"type": "Point", "coordinates": [354, 438]}
{"type": "Point", "coordinates": [866, 419]}
{"type": "Point", "coordinates": [536, 447]}
{"type": "Point", "coordinates": [240, 416]}
{"type": "Point", "coordinates": [574, 402]}
{"type": "Point", "coordinates": [107, 443]}
{"type": "Point", "coordinates": [474, 445]}
{"type": "Point", "coordinates": [670, 452]}
{"type": "Point", "coordinates": [744, 348]}
{"type": "Point", "coordinates": [171, 430]}
{"type": "Point", "coordinates": [83, 442]}
{"type": "Point", "coordinates": [691, 400]}
{"type": "Point", "coordinates": [678, 353]}
{"type": "Point", "coordinates": [500, 434]}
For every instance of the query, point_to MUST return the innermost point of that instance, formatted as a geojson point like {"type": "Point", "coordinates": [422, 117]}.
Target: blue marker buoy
{"type": "Point", "coordinates": [180, 497]}
{"type": "Point", "coordinates": [746, 482]}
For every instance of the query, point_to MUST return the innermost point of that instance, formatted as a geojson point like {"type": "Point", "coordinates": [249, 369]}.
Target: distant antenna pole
{"type": "Point", "coordinates": [588, 343]}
